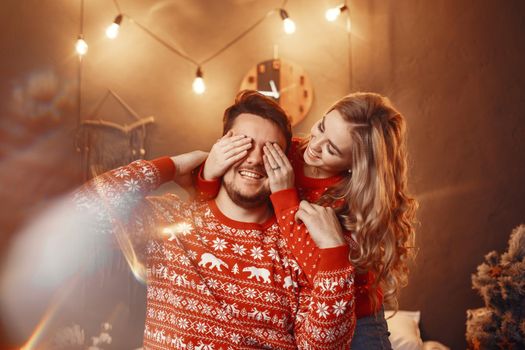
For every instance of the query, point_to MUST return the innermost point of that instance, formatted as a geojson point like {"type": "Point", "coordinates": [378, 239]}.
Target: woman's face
{"type": "Point", "coordinates": [330, 145]}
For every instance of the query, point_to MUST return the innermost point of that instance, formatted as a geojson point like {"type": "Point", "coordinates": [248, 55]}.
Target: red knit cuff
{"type": "Point", "coordinates": [334, 258]}
{"type": "Point", "coordinates": [209, 188]}
{"type": "Point", "coordinates": [284, 199]}
{"type": "Point", "coordinates": [166, 168]}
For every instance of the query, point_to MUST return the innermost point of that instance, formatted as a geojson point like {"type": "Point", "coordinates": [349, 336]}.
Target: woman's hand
{"type": "Point", "coordinates": [225, 152]}
{"type": "Point", "coordinates": [184, 164]}
{"type": "Point", "coordinates": [322, 224]}
{"type": "Point", "coordinates": [278, 168]}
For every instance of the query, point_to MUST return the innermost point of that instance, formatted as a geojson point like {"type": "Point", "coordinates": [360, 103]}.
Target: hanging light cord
{"type": "Point", "coordinates": [117, 6]}
{"type": "Point", "coordinates": [185, 56]}
{"type": "Point", "coordinates": [161, 41]}
{"type": "Point", "coordinates": [81, 29]}
{"type": "Point", "coordinates": [240, 36]}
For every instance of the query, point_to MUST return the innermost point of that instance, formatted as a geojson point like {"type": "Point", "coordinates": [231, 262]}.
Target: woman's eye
{"type": "Point", "coordinates": [330, 151]}
{"type": "Point", "coordinates": [320, 127]}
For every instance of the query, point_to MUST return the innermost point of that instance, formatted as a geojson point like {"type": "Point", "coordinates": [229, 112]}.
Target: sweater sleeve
{"type": "Point", "coordinates": [205, 189]}
{"type": "Point", "coordinates": [311, 259]}
{"type": "Point", "coordinates": [115, 203]}
{"type": "Point", "coordinates": [326, 318]}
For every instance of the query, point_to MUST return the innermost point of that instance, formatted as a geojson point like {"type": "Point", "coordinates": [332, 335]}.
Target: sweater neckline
{"type": "Point", "coordinates": [223, 219]}
{"type": "Point", "coordinates": [312, 182]}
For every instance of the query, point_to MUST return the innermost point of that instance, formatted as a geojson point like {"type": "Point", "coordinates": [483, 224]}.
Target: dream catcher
{"type": "Point", "coordinates": [106, 145]}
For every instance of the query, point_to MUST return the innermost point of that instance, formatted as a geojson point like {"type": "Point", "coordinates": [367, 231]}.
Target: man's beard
{"type": "Point", "coordinates": [257, 199]}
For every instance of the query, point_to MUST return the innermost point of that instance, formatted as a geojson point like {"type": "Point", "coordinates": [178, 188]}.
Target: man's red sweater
{"type": "Point", "coordinates": [286, 203]}
{"type": "Point", "coordinates": [216, 283]}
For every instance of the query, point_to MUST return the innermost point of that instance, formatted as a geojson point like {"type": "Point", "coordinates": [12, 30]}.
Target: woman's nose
{"type": "Point", "coordinates": [315, 142]}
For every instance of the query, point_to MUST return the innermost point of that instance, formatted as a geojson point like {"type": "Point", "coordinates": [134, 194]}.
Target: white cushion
{"type": "Point", "coordinates": [404, 330]}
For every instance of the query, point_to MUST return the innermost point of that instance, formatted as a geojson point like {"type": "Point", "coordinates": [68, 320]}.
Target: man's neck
{"type": "Point", "coordinates": [233, 211]}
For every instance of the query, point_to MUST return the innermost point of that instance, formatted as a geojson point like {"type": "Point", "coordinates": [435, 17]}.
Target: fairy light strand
{"type": "Point", "coordinates": [117, 5]}
{"type": "Point", "coordinates": [198, 84]}
{"type": "Point", "coordinates": [212, 56]}
{"type": "Point", "coordinates": [113, 31]}
{"type": "Point", "coordinates": [161, 41]}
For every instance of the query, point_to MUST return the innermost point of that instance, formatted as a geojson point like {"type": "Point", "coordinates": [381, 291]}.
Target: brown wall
{"type": "Point", "coordinates": [453, 68]}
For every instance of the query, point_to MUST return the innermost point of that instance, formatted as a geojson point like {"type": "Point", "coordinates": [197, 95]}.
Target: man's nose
{"type": "Point", "coordinates": [255, 155]}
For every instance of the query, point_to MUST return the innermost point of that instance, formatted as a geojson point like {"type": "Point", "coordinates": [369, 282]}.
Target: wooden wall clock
{"type": "Point", "coordinates": [284, 81]}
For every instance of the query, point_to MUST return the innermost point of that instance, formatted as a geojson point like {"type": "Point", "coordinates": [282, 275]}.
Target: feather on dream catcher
{"type": "Point", "coordinates": [106, 145]}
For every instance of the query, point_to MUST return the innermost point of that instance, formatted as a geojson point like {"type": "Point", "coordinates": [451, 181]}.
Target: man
{"type": "Point", "coordinates": [219, 274]}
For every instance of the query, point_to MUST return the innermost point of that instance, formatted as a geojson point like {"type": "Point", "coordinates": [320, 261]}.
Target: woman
{"type": "Point", "coordinates": [355, 161]}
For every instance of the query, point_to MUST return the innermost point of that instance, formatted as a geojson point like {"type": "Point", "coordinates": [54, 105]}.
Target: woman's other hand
{"type": "Point", "coordinates": [322, 224]}
{"type": "Point", "coordinates": [278, 168]}
{"type": "Point", "coordinates": [228, 150]}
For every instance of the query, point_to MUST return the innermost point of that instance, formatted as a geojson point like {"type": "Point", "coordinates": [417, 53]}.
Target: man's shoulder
{"type": "Point", "coordinates": [171, 201]}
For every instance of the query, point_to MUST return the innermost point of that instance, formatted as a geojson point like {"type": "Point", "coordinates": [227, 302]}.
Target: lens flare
{"type": "Point", "coordinates": [39, 333]}
{"type": "Point", "coordinates": [181, 228]}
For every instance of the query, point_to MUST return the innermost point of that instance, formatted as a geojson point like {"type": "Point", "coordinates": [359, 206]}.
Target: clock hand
{"type": "Point", "coordinates": [274, 89]}
{"type": "Point", "coordinates": [269, 93]}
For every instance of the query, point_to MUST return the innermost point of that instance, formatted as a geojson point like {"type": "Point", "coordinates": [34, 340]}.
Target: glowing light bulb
{"type": "Point", "coordinates": [113, 29]}
{"type": "Point", "coordinates": [289, 25]}
{"type": "Point", "coordinates": [198, 84]}
{"type": "Point", "coordinates": [81, 46]}
{"type": "Point", "coordinates": [333, 13]}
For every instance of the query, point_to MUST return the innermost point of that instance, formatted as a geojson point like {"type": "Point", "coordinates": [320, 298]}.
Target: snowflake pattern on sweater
{"type": "Point", "coordinates": [214, 283]}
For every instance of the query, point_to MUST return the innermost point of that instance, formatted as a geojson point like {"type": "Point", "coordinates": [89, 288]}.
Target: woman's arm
{"type": "Point", "coordinates": [326, 315]}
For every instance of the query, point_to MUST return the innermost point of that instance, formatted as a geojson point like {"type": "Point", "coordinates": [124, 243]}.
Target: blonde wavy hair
{"type": "Point", "coordinates": [377, 206]}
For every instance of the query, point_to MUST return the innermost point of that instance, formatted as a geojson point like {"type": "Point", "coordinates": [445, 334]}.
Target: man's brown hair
{"type": "Point", "coordinates": [250, 101]}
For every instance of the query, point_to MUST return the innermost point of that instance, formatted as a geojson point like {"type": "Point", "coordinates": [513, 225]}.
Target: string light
{"type": "Point", "coordinates": [113, 29]}
{"type": "Point", "coordinates": [81, 46]}
{"type": "Point", "coordinates": [199, 87]}
{"type": "Point", "coordinates": [289, 25]}
{"type": "Point", "coordinates": [198, 84]}
{"type": "Point", "coordinates": [333, 13]}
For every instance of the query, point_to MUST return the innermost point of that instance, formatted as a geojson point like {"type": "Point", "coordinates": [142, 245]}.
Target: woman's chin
{"type": "Point", "coordinates": [309, 161]}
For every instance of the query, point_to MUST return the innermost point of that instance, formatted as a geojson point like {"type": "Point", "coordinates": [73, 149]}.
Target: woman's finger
{"type": "Point", "coordinates": [226, 136]}
{"type": "Point", "coordinates": [271, 160]}
{"type": "Point", "coordinates": [307, 207]}
{"type": "Point", "coordinates": [276, 156]}
{"type": "Point", "coordinates": [227, 140]}
{"type": "Point", "coordinates": [235, 158]}
{"type": "Point", "coordinates": [234, 151]}
{"type": "Point", "coordinates": [235, 142]}
{"type": "Point", "coordinates": [284, 158]}
{"type": "Point", "coordinates": [300, 216]}
{"type": "Point", "coordinates": [268, 168]}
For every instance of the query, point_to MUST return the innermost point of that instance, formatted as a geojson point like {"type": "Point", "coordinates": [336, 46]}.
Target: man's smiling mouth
{"type": "Point", "coordinates": [250, 174]}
